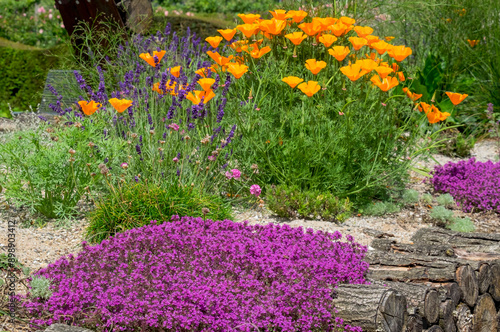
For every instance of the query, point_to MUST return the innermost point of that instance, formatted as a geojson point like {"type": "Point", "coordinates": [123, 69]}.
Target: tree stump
{"type": "Point", "coordinates": [467, 281]}
{"type": "Point", "coordinates": [484, 278]}
{"type": "Point", "coordinates": [495, 282]}
{"type": "Point", "coordinates": [485, 319]}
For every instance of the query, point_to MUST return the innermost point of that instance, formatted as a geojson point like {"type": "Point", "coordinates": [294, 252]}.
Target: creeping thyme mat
{"type": "Point", "coordinates": [191, 274]}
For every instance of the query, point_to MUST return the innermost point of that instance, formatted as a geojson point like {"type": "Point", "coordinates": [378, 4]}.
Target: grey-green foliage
{"type": "Point", "coordinates": [462, 225]}
{"type": "Point", "coordinates": [381, 208]}
{"type": "Point", "coordinates": [441, 214]}
{"type": "Point", "coordinates": [426, 198]}
{"type": "Point", "coordinates": [410, 196]}
{"type": "Point", "coordinates": [40, 287]}
{"type": "Point", "coordinates": [445, 200]}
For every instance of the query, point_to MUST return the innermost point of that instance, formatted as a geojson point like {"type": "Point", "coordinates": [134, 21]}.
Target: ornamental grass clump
{"type": "Point", "coordinates": [474, 185]}
{"type": "Point", "coordinates": [194, 275]}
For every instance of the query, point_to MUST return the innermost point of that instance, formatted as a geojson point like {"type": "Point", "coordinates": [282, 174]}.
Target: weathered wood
{"type": "Point", "coordinates": [495, 282]}
{"type": "Point", "coordinates": [485, 319]}
{"type": "Point", "coordinates": [434, 328]}
{"type": "Point", "coordinates": [498, 320]}
{"type": "Point", "coordinates": [418, 249]}
{"type": "Point", "coordinates": [446, 321]}
{"type": "Point", "coordinates": [484, 278]}
{"type": "Point", "coordinates": [467, 281]}
{"type": "Point", "coordinates": [480, 242]}
{"type": "Point", "coordinates": [372, 307]}
{"type": "Point", "coordinates": [447, 291]}
{"type": "Point", "coordinates": [463, 318]}
{"type": "Point", "coordinates": [136, 14]}
{"type": "Point", "coordinates": [414, 323]}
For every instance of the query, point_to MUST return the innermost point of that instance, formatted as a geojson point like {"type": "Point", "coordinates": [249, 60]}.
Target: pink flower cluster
{"type": "Point", "coordinates": [234, 174]}
{"type": "Point", "coordinates": [196, 275]}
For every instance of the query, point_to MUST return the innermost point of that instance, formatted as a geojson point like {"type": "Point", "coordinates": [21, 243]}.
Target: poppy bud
{"type": "Point", "coordinates": [71, 151]}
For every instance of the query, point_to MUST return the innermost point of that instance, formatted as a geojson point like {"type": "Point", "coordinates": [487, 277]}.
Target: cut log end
{"type": "Point", "coordinates": [485, 319]}
{"type": "Point", "coordinates": [467, 281]}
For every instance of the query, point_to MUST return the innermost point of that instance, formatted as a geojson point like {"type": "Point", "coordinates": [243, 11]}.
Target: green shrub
{"type": "Point", "coordinates": [426, 198]}
{"type": "Point", "coordinates": [446, 200]}
{"type": "Point", "coordinates": [461, 225]}
{"type": "Point", "coordinates": [40, 287]}
{"type": "Point", "coordinates": [290, 202]}
{"type": "Point", "coordinates": [135, 205]}
{"type": "Point", "coordinates": [380, 208]}
{"type": "Point", "coordinates": [441, 215]}
{"type": "Point", "coordinates": [410, 196]}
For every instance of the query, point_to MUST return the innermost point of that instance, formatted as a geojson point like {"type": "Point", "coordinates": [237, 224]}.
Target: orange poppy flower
{"type": "Point", "coordinates": [353, 72]}
{"type": "Point", "coordinates": [456, 98]}
{"type": "Point", "coordinates": [237, 45]}
{"type": "Point", "coordinates": [315, 66]}
{"type": "Point", "coordinates": [220, 60]}
{"type": "Point", "coordinates": [347, 20]}
{"type": "Point", "coordinates": [203, 72]}
{"type": "Point", "coordinates": [248, 29]}
{"type": "Point", "coordinates": [169, 87]}
{"type": "Point", "coordinates": [216, 68]}
{"type": "Point", "coordinates": [358, 42]}
{"type": "Point", "coordinates": [214, 41]}
{"type": "Point", "coordinates": [150, 58]}
{"type": "Point", "coordinates": [399, 53]}
{"type": "Point", "coordinates": [249, 18]}
{"type": "Point", "coordinates": [401, 76]}
{"type": "Point", "coordinates": [339, 52]}
{"type": "Point", "coordinates": [176, 71]}
{"type": "Point", "coordinates": [273, 27]}
{"type": "Point", "coordinates": [237, 69]}
{"type": "Point", "coordinates": [435, 115]}
{"type": "Point", "coordinates": [309, 88]}
{"type": "Point", "coordinates": [383, 71]}
{"type": "Point", "coordinates": [411, 95]}
{"type": "Point", "coordinates": [363, 31]}
{"type": "Point", "coordinates": [381, 47]}
{"type": "Point", "coordinates": [386, 84]}
{"type": "Point", "coordinates": [279, 14]}
{"type": "Point", "coordinates": [395, 67]}
{"type": "Point", "coordinates": [198, 95]}
{"type": "Point", "coordinates": [371, 39]}
{"type": "Point", "coordinates": [367, 64]}
{"type": "Point", "coordinates": [338, 29]}
{"type": "Point", "coordinates": [297, 37]}
{"type": "Point", "coordinates": [296, 15]}
{"type": "Point", "coordinates": [327, 39]}
{"type": "Point", "coordinates": [256, 53]}
{"type": "Point", "coordinates": [89, 108]}
{"type": "Point", "coordinates": [389, 38]}
{"type": "Point", "coordinates": [324, 22]}
{"type": "Point", "coordinates": [228, 34]}
{"type": "Point", "coordinates": [292, 81]}
{"type": "Point", "coordinates": [426, 108]}
{"type": "Point", "coordinates": [120, 105]}
{"type": "Point", "coordinates": [310, 28]}
{"type": "Point", "coordinates": [206, 83]}
{"type": "Point", "coordinates": [472, 43]}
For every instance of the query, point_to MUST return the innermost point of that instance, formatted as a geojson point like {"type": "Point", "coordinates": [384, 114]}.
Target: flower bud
{"type": "Point", "coordinates": [71, 151]}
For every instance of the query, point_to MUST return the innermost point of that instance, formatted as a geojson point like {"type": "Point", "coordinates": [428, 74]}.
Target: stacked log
{"type": "Point", "coordinates": [448, 281]}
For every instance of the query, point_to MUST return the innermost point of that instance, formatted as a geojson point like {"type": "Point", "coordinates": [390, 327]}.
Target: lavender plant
{"type": "Point", "coordinates": [191, 274]}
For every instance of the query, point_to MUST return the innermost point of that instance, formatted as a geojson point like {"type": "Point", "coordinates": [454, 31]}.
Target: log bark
{"type": "Point", "coordinates": [485, 319]}
{"type": "Point", "coordinates": [414, 323]}
{"type": "Point", "coordinates": [434, 328]}
{"type": "Point", "coordinates": [467, 281]}
{"type": "Point", "coordinates": [478, 242]}
{"type": "Point", "coordinates": [498, 321]}
{"type": "Point", "coordinates": [446, 321]}
{"type": "Point", "coordinates": [417, 248]}
{"type": "Point", "coordinates": [495, 282]}
{"type": "Point", "coordinates": [372, 307]}
{"type": "Point", "coordinates": [463, 318]}
{"type": "Point", "coordinates": [484, 278]}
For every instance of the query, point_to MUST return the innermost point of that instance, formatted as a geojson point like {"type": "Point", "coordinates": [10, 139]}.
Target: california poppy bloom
{"type": "Point", "coordinates": [426, 108]}
{"type": "Point", "coordinates": [248, 29]}
{"type": "Point", "coordinates": [347, 20]}
{"type": "Point", "coordinates": [214, 41]}
{"type": "Point", "coordinates": [338, 29]}
{"type": "Point", "coordinates": [256, 53]}
{"type": "Point", "coordinates": [435, 115]}
{"type": "Point", "coordinates": [279, 14]}
{"type": "Point", "coordinates": [220, 60]}
{"type": "Point", "coordinates": [401, 76]}
{"type": "Point", "coordinates": [399, 53]}
{"type": "Point", "coordinates": [353, 72]}
{"type": "Point", "coordinates": [150, 58]}
{"type": "Point", "coordinates": [315, 66]}
{"type": "Point", "coordinates": [249, 18]}
{"type": "Point", "coordinates": [456, 98]}
{"type": "Point", "coordinates": [383, 71]}
{"type": "Point", "coordinates": [327, 39]}
{"type": "Point", "coordinates": [371, 39]}
{"type": "Point", "coordinates": [339, 52]}
{"type": "Point", "coordinates": [228, 34]}
{"type": "Point", "coordinates": [472, 43]}
{"type": "Point", "coordinates": [358, 42]}
{"type": "Point", "coordinates": [367, 64]}
{"type": "Point", "coordinates": [381, 47]}
{"type": "Point", "coordinates": [176, 71]}
{"type": "Point", "coordinates": [324, 21]}
{"type": "Point", "coordinates": [389, 38]}
{"type": "Point", "coordinates": [363, 31]}
{"type": "Point", "coordinates": [411, 95]}
{"type": "Point", "coordinates": [120, 105]}
{"type": "Point", "coordinates": [309, 88]}
{"type": "Point", "coordinates": [296, 15]}
{"type": "Point", "coordinates": [310, 29]}
{"type": "Point", "coordinates": [237, 45]}
{"type": "Point", "coordinates": [89, 108]}
{"type": "Point", "coordinates": [203, 72]}
{"type": "Point", "coordinates": [274, 27]}
{"type": "Point", "coordinates": [386, 84]}
{"type": "Point", "coordinates": [292, 81]}
{"type": "Point", "coordinates": [395, 67]}
{"type": "Point", "coordinates": [237, 69]}
{"type": "Point", "coordinates": [206, 83]}
{"type": "Point", "coordinates": [297, 37]}
{"type": "Point", "coordinates": [198, 95]}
